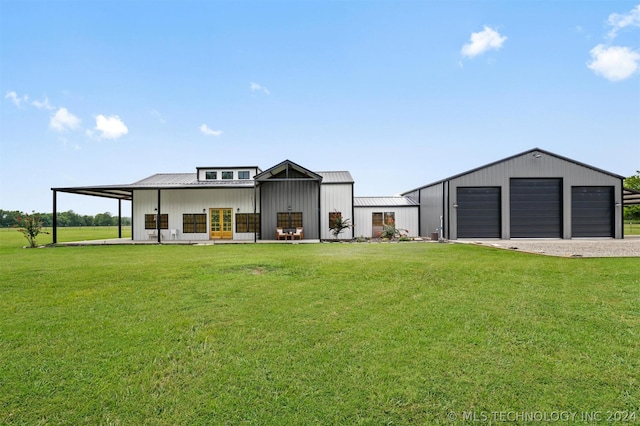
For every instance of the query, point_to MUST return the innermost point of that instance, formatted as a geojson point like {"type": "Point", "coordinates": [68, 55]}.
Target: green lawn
{"type": "Point", "coordinates": [631, 228]}
{"type": "Point", "coordinates": [408, 333]}
{"type": "Point", "coordinates": [11, 236]}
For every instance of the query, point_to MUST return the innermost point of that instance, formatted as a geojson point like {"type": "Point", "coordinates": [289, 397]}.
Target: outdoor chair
{"type": "Point", "coordinates": [281, 235]}
{"type": "Point", "coordinates": [298, 234]}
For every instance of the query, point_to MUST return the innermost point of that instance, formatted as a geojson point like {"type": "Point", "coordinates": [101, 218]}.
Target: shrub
{"type": "Point", "coordinates": [31, 227]}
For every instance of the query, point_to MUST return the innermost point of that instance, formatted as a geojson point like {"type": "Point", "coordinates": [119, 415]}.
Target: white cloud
{"type": "Point", "coordinates": [63, 120]}
{"type": "Point", "coordinates": [17, 100]}
{"type": "Point", "coordinates": [259, 88]}
{"type": "Point", "coordinates": [483, 41]}
{"type": "Point", "coordinates": [209, 132]}
{"type": "Point", "coordinates": [614, 63]}
{"type": "Point", "coordinates": [43, 104]}
{"type": "Point", "coordinates": [110, 127]}
{"type": "Point", "coordinates": [622, 20]}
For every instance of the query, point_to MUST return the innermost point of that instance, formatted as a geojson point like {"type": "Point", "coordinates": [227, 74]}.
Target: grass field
{"type": "Point", "coordinates": [409, 333]}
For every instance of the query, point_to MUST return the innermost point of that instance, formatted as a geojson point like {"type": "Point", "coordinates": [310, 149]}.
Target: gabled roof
{"type": "Point", "coordinates": [384, 202]}
{"type": "Point", "coordinates": [287, 170]}
{"type": "Point", "coordinates": [530, 151]}
{"type": "Point", "coordinates": [336, 177]}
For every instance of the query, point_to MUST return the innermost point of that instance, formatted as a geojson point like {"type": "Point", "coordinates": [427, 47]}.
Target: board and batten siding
{"type": "Point", "coordinates": [406, 217]}
{"type": "Point", "coordinates": [336, 197]}
{"type": "Point", "coordinates": [300, 195]}
{"type": "Point", "coordinates": [176, 202]}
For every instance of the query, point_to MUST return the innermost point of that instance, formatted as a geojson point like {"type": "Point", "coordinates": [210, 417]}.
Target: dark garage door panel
{"type": "Point", "coordinates": [478, 212]}
{"type": "Point", "coordinates": [536, 208]}
{"type": "Point", "coordinates": [592, 211]}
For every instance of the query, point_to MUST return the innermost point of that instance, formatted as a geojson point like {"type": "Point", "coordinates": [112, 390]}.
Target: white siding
{"type": "Point", "coordinates": [176, 202]}
{"type": "Point", "coordinates": [406, 218]}
{"type": "Point", "coordinates": [336, 197]}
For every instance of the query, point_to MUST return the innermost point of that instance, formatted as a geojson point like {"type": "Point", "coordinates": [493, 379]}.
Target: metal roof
{"type": "Point", "coordinates": [190, 180]}
{"type": "Point", "coordinates": [533, 150]}
{"type": "Point", "coordinates": [336, 177]}
{"type": "Point", "coordinates": [384, 202]}
{"type": "Point", "coordinates": [184, 180]}
{"type": "Point", "coordinates": [631, 197]}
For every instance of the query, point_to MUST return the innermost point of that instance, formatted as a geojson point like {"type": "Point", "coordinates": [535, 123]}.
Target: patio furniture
{"type": "Point", "coordinates": [298, 234]}
{"type": "Point", "coordinates": [281, 235]}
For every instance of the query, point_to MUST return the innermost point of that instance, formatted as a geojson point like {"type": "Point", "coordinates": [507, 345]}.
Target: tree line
{"type": "Point", "coordinates": [9, 219]}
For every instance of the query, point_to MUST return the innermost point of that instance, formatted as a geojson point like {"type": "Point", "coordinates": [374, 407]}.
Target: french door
{"type": "Point", "coordinates": [221, 223]}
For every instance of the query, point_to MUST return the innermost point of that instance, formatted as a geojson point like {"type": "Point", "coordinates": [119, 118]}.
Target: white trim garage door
{"type": "Point", "coordinates": [592, 211]}
{"type": "Point", "coordinates": [536, 208]}
{"type": "Point", "coordinates": [478, 212]}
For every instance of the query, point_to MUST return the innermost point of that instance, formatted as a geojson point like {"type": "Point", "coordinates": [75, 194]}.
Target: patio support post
{"type": "Point", "coordinates": [158, 220]}
{"type": "Point", "coordinates": [119, 218]}
{"type": "Point", "coordinates": [319, 210]}
{"type": "Point", "coordinates": [255, 234]}
{"type": "Point", "coordinates": [55, 217]}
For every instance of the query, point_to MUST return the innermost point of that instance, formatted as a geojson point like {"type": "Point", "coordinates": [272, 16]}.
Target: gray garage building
{"type": "Point", "coordinates": [534, 194]}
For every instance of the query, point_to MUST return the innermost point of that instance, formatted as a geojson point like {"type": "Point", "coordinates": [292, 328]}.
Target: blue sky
{"type": "Point", "coordinates": [400, 93]}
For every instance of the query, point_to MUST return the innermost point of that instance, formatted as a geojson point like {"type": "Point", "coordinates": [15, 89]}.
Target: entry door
{"type": "Point", "coordinates": [221, 223]}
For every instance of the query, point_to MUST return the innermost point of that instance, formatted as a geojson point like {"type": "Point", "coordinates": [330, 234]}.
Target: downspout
{"type": "Point", "coordinates": [55, 217]}
{"type": "Point", "coordinates": [255, 234]}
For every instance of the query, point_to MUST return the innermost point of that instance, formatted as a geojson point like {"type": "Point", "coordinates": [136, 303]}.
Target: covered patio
{"type": "Point", "coordinates": [116, 192]}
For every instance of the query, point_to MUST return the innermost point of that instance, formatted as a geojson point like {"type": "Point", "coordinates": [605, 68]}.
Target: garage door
{"type": "Point", "coordinates": [478, 212]}
{"type": "Point", "coordinates": [592, 211]}
{"type": "Point", "coordinates": [536, 208]}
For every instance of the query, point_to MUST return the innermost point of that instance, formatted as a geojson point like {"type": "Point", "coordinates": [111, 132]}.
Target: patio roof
{"type": "Point", "coordinates": [631, 197]}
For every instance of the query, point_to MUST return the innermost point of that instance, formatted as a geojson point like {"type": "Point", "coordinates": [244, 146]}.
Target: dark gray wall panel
{"type": "Point", "coordinates": [301, 195]}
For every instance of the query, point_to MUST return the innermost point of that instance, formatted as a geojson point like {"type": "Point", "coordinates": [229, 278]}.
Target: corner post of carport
{"type": "Point", "coordinates": [119, 218]}
{"type": "Point", "coordinates": [55, 217]}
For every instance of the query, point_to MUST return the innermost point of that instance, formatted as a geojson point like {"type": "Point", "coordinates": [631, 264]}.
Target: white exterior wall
{"type": "Point", "coordinates": [336, 197]}
{"type": "Point", "coordinates": [406, 218]}
{"type": "Point", "coordinates": [176, 202]}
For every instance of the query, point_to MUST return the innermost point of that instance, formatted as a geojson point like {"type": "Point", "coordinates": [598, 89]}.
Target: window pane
{"type": "Point", "coordinates": [227, 175]}
{"type": "Point", "coordinates": [188, 223]}
{"type": "Point", "coordinates": [164, 221]}
{"type": "Point", "coordinates": [389, 218]}
{"type": "Point", "coordinates": [283, 220]}
{"type": "Point", "coordinates": [201, 223]}
{"type": "Point", "coordinates": [296, 220]}
{"type": "Point", "coordinates": [243, 174]}
{"type": "Point", "coordinates": [377, 219]}
{"type": "Point", "coordinates": [149, 221]}
{"type": "Point", "coordinates": [211, 175]}
{"type": "Point", "coordinates": [333, 216]}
